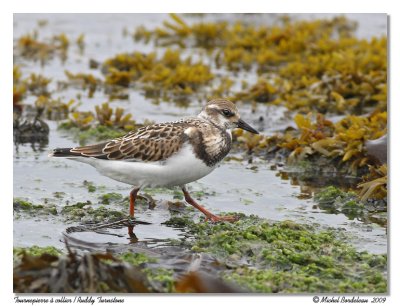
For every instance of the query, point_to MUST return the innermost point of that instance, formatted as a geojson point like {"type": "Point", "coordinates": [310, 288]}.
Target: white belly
{"type": "Point", "coordinates": [180, 169]}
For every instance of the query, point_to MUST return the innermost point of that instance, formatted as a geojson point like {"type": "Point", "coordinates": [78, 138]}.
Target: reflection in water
{"type": "Point", "coordinates": [179, 260]}
{"type": "Point", "coordinates": [30, 128]}
{"type": "Point", "coordinates": [104, 229]}
{"type": "Point", "coordinates": [310, 181]}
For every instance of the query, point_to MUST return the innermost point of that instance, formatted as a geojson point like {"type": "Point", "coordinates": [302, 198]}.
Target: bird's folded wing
{"type": "Point", "coordinates": [151, 143]}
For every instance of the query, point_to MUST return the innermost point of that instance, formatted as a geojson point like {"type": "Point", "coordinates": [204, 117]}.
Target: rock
{"type": "Point", "coordinates": [378, 148]}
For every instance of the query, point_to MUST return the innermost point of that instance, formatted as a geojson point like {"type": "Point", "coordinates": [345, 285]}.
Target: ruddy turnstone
{"type": "Point", "coordinates": [166, 154]}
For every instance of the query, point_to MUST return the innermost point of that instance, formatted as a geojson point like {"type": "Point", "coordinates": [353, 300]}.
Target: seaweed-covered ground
{"type": "Point", "coordinates": [310, 192]}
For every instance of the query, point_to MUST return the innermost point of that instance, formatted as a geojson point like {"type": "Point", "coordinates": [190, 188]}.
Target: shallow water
{"type": "Point", "coordinates": [234, 187]}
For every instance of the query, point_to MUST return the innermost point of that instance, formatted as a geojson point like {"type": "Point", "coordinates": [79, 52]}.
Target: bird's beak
{"type": "Point", "coordinates": [243, 125]}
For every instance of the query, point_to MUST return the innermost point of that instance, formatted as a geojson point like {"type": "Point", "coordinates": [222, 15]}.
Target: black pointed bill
{"type": "Point", "coordinates": [243, 125]}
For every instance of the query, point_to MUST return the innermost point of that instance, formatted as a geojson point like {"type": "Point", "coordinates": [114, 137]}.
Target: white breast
{"type": "Point", "coordinates": [179, 169]}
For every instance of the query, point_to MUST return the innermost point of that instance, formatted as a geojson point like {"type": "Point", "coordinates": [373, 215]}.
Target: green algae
{"type": "Point", "coordinates": [335, 200]}
{"type": "Point", "coordinates": [287, 257]}
{"type": "Point", "coordinates": [161, 278]}
{"type": "Point", "coordinates": [35, 251]}
{"type": "Point", "coordinates": [90, 186]}
{"type": "Point", "coordinates": [93, 134]}
{"type": "Point", "coordinates": [20, 205]}
{"type": "Point", "coordinates": [99, 133]}
{"type": "Point", "coordinates": [59, 194]}
{"type": "Point", "coordinates": [136, 259]}
{"type": "Point", "coordinates": [111, 197]}
{"type": "Point", "coordinates": [85, 211]}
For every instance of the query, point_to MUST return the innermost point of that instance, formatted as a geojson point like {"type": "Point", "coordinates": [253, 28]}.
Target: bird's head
{"type": "Point", "coordinates": [224, 114]}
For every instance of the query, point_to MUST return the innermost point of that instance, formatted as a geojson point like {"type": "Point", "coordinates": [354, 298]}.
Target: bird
{"type": "Point", "coordinates": [166, 154]}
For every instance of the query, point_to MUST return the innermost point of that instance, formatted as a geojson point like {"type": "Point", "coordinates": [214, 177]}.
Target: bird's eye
{"type": "Point", "coordinates": [227, 113]}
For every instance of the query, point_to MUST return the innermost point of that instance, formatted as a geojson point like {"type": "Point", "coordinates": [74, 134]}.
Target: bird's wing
{"type": "Point", "coordinates": [151, 143]}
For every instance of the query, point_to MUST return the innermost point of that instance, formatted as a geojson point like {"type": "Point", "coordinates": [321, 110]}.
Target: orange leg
{"type": "Point", "coordinates": [209, 215]}
{"type": "Point", "coordinates": [132, 199]}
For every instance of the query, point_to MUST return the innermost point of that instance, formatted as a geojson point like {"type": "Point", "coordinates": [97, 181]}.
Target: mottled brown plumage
{"type": "Point", "coordinates": [160, 141]}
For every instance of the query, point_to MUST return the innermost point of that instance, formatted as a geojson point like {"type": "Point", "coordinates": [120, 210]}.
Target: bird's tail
{"type": "Point", "coordinates": [64, 152]}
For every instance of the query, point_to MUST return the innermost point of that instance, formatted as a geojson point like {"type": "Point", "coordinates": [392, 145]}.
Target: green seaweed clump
{"type": "Point", "coordinates": [334, 200]}
{"type": "Point", "coordinates": [85, 212]}
{"type": "Point", "coordinates": [35, 251]}
{"type": "Point", "coordinates": [286, 257]}
{"type": "Point", "coordinates": [136, 259]}
{"type": "Point", "coordinates": [111, 197]}
{"type": "Point", "coordinates": [98, 133]}
{"type": "Point", "coordinates": [20, 205]}
{"type": "Point", "coordinates": [90, 186]}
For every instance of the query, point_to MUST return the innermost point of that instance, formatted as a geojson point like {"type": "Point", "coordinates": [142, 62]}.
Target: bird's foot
{"type": "Point", "coordinates": [214, 218]}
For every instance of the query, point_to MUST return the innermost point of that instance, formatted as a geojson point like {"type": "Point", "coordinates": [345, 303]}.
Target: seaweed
{"type": "Point", "coordinates": [342, 143]}
{"type": "Point", "coordinates": [307, 66]}
{"type": "Point", "coordinates": [286, 257]}
{"type": "Point", "coordinates": [106, 123]}
{"type": "Point", "coordinates": [90, 272]}
{"type": "Point", "coordinates": [334, 200]}
{"type": "Point", "coordinates": [55, 109]}
{"type": "Point", "coordinates": [107, 116]}
{"type": "Point", "coordinates": [23, 206]}
{"type": "Point", "coordinates": [47, 270]}
{"type": "Point", "coordinates": [86, 212]}
{"type": "Point", "coordinates": [80, 42]}
{"type": "Point", "coordinates": [374, 184]}
{"type": "Point", "coordinates": [84, 81]}
{"type": "Point", "coordinates": [30, 47]}
{"type": "Point", "coordinates": [37, 84]}
{"type": "Point", "coordinates": [30, 129]}
{"type": "Point", "coordinates": [170, 73]}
